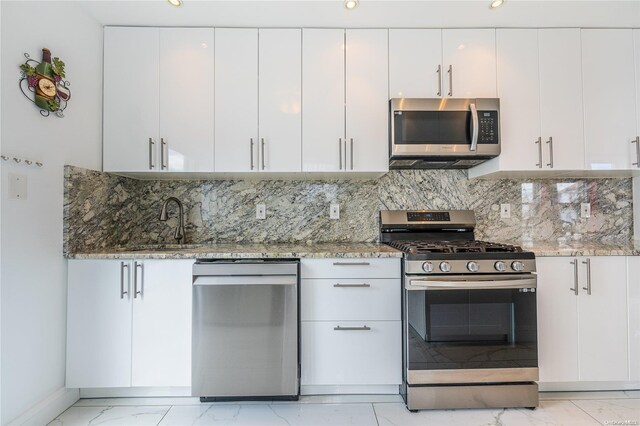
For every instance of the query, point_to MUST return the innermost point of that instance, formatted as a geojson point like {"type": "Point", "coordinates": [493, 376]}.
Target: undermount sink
{"type": "Point", "coordinates": [162, 247]}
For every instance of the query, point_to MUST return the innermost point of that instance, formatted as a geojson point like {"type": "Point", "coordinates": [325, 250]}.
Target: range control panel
{"type": "Point", "coordinates": [428, 217]}
{"type": "Point", "coordinates": [488, 132]}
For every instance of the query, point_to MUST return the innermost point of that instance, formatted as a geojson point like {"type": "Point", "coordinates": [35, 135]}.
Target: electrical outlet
{"type": "Point", "coordinates": [17, 186]}
{"type": "Point", "coordinates": [334, 211]}
{"type": "Point", "coordinates": [505, 211]}
{"type": "Point", "coordinates": [585, 210]}
{"type": "Point", "coordinates": [261, 211]}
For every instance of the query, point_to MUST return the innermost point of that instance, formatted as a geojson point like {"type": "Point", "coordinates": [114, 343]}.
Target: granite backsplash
{"type": "Point", "coordinates": [103, 210]}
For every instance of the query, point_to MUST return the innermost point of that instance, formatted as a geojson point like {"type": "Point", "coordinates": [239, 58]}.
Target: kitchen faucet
{"type": "Point", "coordinates": [179, 234]}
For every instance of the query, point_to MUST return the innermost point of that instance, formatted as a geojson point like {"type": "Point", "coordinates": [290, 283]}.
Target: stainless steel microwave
{"type": "Point", "coordinates": [443, 133]}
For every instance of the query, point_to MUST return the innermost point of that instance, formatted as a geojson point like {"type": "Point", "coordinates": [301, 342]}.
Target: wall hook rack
{"type": "Point", "coordinates": [19, 160]}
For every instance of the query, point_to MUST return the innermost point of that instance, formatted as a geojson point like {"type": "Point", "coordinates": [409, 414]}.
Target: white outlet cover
{"type": "Point", "coordinates": [585, 210]}
{"type": "Point", "coordinates": [261, 211]}
{"type": "Point", "coordinates": [505, 211]}
{"type": "Point", "coordinates": [17, 186]}
{"type": "Point", "coordinates": [334, 211]}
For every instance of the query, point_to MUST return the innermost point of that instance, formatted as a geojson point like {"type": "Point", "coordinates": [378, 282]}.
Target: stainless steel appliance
{"type": "Point", "coordinates": [443, 133]}
{"type": "Point", "coordinates": [245, 330]}
{"type": "Point", "coordinates": [469, 314]}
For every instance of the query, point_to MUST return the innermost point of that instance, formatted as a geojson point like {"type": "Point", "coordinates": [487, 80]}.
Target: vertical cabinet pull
{"type": "Point", "coordinates": [550, 143]}
{"type": "Point", "coordinates": [637, 142]}
{"type": "Point", "coordinates": [439, 71]}
{"type": "Point", "coordinates": [539, 143]}
{"type": "Point", "coordinates": [450, 80]}
{"type": "Point", "coordinates": [262, 152]}
{"type": "Point", "coordinates": [588, 287]}
{"type": "Point", "coordinates": [152, 164]}
{"type": "Point", "coordinates": [137, 292]}
{"type": "Point", "coordinates": [163, 157]}
{"type": "Point", "coordinates": [251, 153]}
{"type": "Point", "coordinates": [351, 159]}
{"type": "Point", "coordinates": [123, 266]}
{"type": "Point", "coordinates": [340, 151]}
{"type": "Point", "coordinates": [574, 289]}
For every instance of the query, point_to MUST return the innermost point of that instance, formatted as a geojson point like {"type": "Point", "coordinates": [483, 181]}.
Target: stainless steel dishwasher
{"type": "Point", "coordinates": [245, 335]}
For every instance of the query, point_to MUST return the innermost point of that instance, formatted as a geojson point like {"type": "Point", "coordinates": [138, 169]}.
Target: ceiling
{"type": "Point", "coordinates": [370, 13]}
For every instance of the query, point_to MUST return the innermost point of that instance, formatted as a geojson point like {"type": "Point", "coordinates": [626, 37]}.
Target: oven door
{"type": "Point", "coordinates": [470, 329]}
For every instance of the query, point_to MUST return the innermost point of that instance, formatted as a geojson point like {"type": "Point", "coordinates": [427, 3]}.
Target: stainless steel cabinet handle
{"type": "Point", "coordinates": [345, 154]}
{"type": "Point", "coordinates": [539, 142]}
{"type": "Point", "coordinates": [588, 287]}
{"type": "Point", "coordinates": [340, 151]}
{"type": "Point", "coordinates": [363, 285]}
{"type": "Point", "coordinates": [351, 159]}
{"type": "Point", "coordinates": [251, 145]}
{"type": "Point", "coordinates": [351, 263]}
{"type": "Point", "coordinates": [439, 71]}
{"type": "Point", "coordinates": [122, 268]}
{"type": "Point", "coordinates": [450, 80]}
{"type": "Point", "coordinates": [637, 142]}
{"type": "Point", "coordinates": [363, 328]}
{"type": "Point", "coordinates": [163, 147]}
{"type": "Point", "coordinates": [152, 164]}
{"type": "Point", "coordinates": [137, 292]}
{"type": "Point", "coordinates": [575, 277]}
{"type": "Point", "coordinates": [550, 143]}
{"type": "Point", "coordinates": [262, 152]}
{"type": "Point", "coordinates": [475, 128]}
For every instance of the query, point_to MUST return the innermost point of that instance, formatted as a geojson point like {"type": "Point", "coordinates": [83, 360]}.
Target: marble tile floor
{"type": "Point", "coordinates": [556, 408]}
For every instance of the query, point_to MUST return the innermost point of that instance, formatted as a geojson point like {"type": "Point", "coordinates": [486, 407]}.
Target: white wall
{"type": "Point", "coordinates": [33, 271]}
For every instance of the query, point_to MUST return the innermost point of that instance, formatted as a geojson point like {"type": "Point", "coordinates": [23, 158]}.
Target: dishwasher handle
{"type": "Point", "coordinates": [217, 280]}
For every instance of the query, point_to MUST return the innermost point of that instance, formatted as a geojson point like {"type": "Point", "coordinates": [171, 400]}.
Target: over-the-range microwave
{"type": "Point", "coordinates": [443, 133]}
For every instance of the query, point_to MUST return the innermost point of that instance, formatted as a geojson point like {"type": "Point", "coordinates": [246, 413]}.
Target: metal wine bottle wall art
{"type": "Point", "coordinates": [44, 84]}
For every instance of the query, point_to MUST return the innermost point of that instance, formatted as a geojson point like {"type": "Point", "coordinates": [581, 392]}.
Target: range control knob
{"type": "Point", "coordinates": [473, 266]}
{"type": "Point", "coordinates": [517, 266]}
{"type": "Point", "coordinates": [445, 266]}
{"type": "Point", "coordinates": [427, 267]}
{"type": "Point", "coordinates": [500, 266]}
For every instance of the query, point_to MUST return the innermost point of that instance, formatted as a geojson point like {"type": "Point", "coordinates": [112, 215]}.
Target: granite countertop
{"type": "Point", "coordinates": [555, 248]}
{"type": "Point", "coordinates": [243, 251]}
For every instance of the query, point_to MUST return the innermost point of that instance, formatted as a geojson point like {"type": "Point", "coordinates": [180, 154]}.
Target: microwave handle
{"type": "Point", "coordinates": [474, 127]}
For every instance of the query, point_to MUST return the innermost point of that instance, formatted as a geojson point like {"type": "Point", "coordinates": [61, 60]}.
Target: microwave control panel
{"type": "Point", "coordinates": [488, 122]}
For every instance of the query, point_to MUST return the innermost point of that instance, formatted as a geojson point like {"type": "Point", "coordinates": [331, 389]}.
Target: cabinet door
{"type": "Point", "coordinates": [518, 88]}
{"type": "Point", "coordinates": [236, 101]}
{"type": "Point", "coordinates": [557, 320]}
{"type": "Point", "coordinates": [471, 53]}
{"type": "Point", "coordinates": [186, 99]}
{"type": "Point", "coordinates": [633, 283]}
{"type": "Point", "coordinates": [609, 98]}
{"type": "Point", "coordinates": [161, 354]}
{"type": "Point", "coordinates": [602, 316]}
{"type": "Point", "coordinates": [323, 100]}
{"type": "Point", "coordinates": [561, 98]}
{"type": "Point", "coordinates": [415, 63]}
{"type": "Point", "coordinates": [636, 46]}
{"type": "Point", "coordinates": [280, 128]}
{"type": "Point", "coordinates": [131, 98]}
{"type": "Point", "coordinates": [98, 324]}
{"type": "Point", "coordinates": [367, 100]}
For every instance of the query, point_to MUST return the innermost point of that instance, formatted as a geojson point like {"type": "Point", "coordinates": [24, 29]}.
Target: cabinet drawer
{"type": "Point", "coordinates": [350, 299]}
{"type": "Point", "coordinates": [350, 268]}
{"type": "Point", "coordinates": [351, 357]}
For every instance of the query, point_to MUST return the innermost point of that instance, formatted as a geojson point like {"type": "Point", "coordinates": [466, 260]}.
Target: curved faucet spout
{"type": "Point", "coordinates": [179, 235]}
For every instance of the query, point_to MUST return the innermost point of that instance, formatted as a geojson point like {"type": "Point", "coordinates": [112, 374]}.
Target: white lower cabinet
{"type": "Point", "coordinates": [351, 328]}
{"type": "Point", "coordinates": [129, 323]}
{"type": "Point", "coordinates": [583, 335]}
{"type": "Point", "coordinates": [633, 292]}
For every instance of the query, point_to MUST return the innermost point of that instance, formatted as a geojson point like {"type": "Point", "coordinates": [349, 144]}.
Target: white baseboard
{"type": "Point", "coordinates": [48, 409]}
{"type": "Point", "coordinates": [349, 389]}
{"type": "Point", "coordinates": [587, 386]}
{"type": "Point", "coordinates": [134, 392]}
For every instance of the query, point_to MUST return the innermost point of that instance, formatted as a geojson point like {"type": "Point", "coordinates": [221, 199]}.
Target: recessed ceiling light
{"type": "Point", "coordinates": [351, 4]}
{"type": "Point", "coordinates": [176, 3]}
{"type": "Point", "coordinates": [496, 3]}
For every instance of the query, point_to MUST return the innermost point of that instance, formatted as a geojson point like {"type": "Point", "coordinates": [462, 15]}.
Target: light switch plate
{"type": "Point", "coordinates": [334, 211]}
{"type": "Point", "coordinates": [505, 211]}
{"type": "Point", "coordinates": [17, 186]}
{"type": "Point", "coordinates": [585, 210]}
{"type": "Point", "coordinates": [261, 211]}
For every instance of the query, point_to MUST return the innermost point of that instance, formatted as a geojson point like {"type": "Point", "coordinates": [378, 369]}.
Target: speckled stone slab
{"type": "Point", "coordinates": [584, 249]}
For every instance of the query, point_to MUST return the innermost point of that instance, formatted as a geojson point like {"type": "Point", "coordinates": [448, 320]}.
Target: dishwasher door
{"type": "Point", "coordinates": [245, 330]}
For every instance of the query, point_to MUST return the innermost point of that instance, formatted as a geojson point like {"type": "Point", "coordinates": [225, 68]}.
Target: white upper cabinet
{"type": "Point", "coordinates": [415, 63]}
{"type": "Point", "coordinates": [323, 79]}
{"type": "Point", "coordinates": [236, 101]}
{"type": "Point", "coordinates": [186, 99]}
{"type": "Point", "coordinates": [636, 47]}
{"type": "Point", "coordinates": [561, 99]}
{"type": "Point", "coordinates": [609, 89]}
{"type": "Point", "coordinates": [131, 99]}
{"type": "Point", "coordinates": [367, 91]}
{"type": "Point", "coordinates": [280, 98]}
{"type": "Point", "coordinates": [469, 60]}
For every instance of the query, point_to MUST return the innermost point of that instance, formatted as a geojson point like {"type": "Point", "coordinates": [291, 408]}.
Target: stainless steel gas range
{"type": "Point", "coordinates": [469, 314]}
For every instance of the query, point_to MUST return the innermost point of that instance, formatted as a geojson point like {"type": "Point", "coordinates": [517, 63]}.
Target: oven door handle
{"type": "Point", "coordinates": [472, 284]}
{"type": "Point", "coordinates": [474, 127]}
